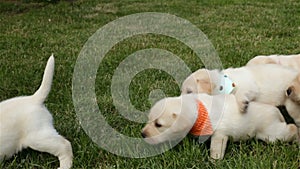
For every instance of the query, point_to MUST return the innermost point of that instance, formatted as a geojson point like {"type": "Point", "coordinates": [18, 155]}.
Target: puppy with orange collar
{"type": "Point", "coordinates": [292, 61]}
{"type": "Point", "coordinates": [217, 116]}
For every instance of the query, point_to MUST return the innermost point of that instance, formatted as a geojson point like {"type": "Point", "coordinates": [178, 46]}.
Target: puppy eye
{"type": "Point", "coordinates": [157, 125]}
{"type": "Point", "coordinates": [221, 88]}
{"type": "Point", "coordinates": [289, 91]}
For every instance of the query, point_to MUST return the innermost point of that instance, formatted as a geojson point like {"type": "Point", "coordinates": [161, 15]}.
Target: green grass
{"type": "Point", "coordinates": [239, 30]}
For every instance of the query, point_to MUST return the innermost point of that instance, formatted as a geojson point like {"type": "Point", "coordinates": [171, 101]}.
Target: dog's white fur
{"type": "Point", "coordinates": [171, 119]}
{"type": "Point", "coordinates": [26, 122]}
{"type": "Point", "coordinates": [261, 83]}
{"type": "Point", "coordinates": [292, 61]}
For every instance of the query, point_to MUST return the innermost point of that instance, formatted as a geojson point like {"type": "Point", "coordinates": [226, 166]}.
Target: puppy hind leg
{"type": "Point", "coordinates": [218, 146]}
{"type": "Point", "coordinates": [54, 144]}
{"type": "Point", "coordinates": [279, 131]}
{"type": "Point", "coordinates": [1, 158]}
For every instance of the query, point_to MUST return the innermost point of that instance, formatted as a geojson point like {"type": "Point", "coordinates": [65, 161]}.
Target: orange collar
{"type": "Point", "coordinates": [202, 124]}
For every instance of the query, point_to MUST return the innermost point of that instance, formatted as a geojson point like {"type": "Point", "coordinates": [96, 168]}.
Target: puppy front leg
{"type": "Point", "coordinates": [218, 146]}
{"type": "Point", "coordinates": [244, 97]}
{"type": "Point", "coordinates": [52, 143]}
{"type": "Point", "coordinates": [298, 137]}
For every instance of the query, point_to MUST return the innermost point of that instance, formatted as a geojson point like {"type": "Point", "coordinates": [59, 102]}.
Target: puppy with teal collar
{"type": "Point", "coordinates": [261, 83]}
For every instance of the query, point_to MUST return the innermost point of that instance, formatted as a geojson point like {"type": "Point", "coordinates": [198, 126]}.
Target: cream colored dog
{"type": "Point", "coordinates": [292, 61]}
{"type": "Point", "coordinates": [261, 83]}
{"type": "Point", "coordinates": [293, 101]}
{"type": "Point", "coordinates": [26, 122]}
{"type": "Point", "coordinates": [219, 116]}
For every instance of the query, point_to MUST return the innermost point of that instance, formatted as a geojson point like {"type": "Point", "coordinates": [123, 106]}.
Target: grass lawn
{"type": "Point", "coordinates": [238, 29]}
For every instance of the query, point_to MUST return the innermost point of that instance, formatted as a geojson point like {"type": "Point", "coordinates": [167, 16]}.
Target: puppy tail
{"type": "Point", "coordinates": [41, 94]}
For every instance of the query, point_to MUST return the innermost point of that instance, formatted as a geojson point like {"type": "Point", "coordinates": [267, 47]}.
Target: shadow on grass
{"type": "Point", "coordinates": [23, 6]}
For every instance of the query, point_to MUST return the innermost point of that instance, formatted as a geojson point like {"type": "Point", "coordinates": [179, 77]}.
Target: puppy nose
{"type": "Point", "coordinates": [144, 135]}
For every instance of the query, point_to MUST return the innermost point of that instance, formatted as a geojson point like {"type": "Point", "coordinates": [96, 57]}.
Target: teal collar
{"type": "Point", "coordinates": [225, 86]}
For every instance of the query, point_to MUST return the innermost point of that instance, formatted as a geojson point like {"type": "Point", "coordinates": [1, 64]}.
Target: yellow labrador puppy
{"type": "Point", "coordinates": [219, 116]}
{"type": "Point", "coordinates": [26, 122]}
{"type": "Point", "coordinates": [293, 102]}
{"type": "Point", "coordinates": [260, 83]}
{"type": "Point", "coordinates": [292, 61]}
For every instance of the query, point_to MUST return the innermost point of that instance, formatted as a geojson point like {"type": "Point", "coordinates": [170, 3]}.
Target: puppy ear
{"type": "Point", "coordinates": [206, 85]}
{"type": "Point", "coordinates": [289, 91]}
{"type": "Point", "coordinates": [189, 91]}
{"type": "Point", "coordinates": [174, 115]}
{"type": "Point", "coordinates": [270, 61]}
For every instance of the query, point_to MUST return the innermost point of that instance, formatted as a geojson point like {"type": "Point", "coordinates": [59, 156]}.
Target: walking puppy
{"type": "Point", "coordinates": [261, 83]}
{"type": "Point", "coordinates": [26, 122]}
{"type": "Point", "coordinates": [219, 116]}
{"type": "Point", "coordinates": [292, 61]}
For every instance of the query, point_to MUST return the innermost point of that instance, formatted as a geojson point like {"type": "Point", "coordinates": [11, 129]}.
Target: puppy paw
{"type": "Point", "coordinates": [213, 160]}
{"type": "Point", "coordinates": [243, 106]}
